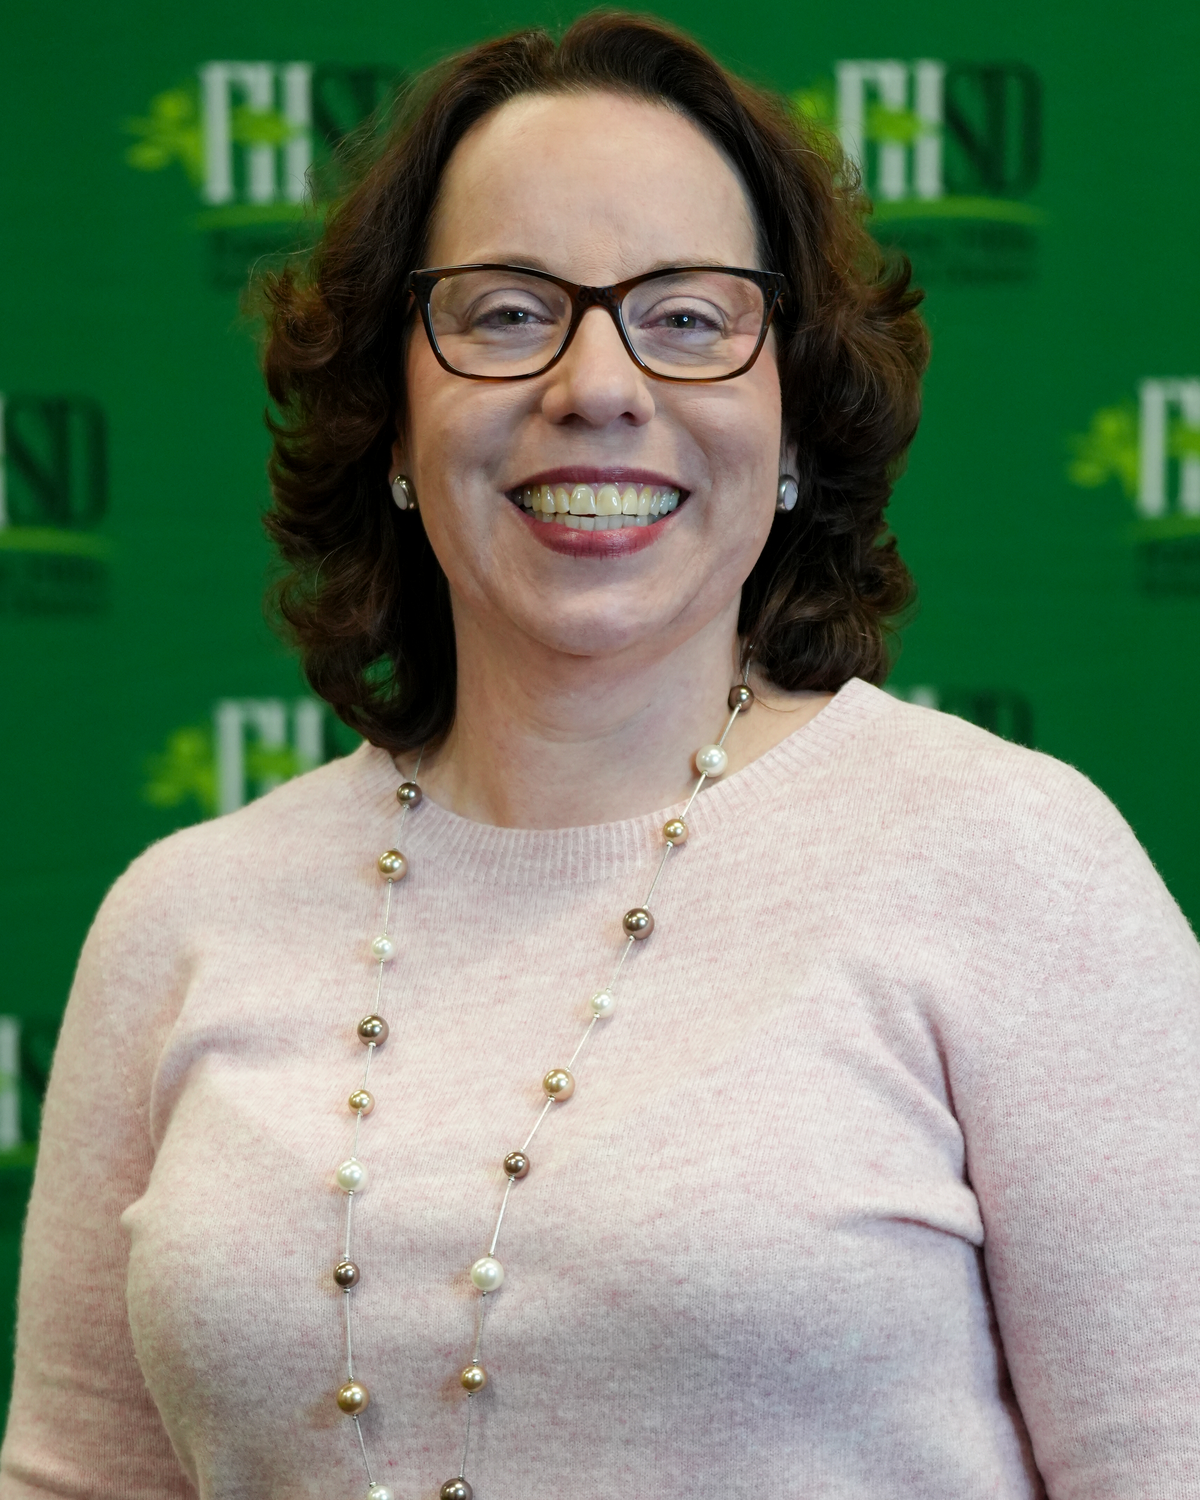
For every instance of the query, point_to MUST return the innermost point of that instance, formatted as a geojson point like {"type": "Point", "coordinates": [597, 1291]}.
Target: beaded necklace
{"type": "Point", "coordinates": [487, 1273]}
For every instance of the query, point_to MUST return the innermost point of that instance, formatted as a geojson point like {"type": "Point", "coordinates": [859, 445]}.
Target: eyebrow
{"type": "Point", "coordinates": [536, 263]}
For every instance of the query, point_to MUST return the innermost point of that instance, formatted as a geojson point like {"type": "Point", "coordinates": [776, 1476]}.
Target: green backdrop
{"type": "Point", "coordinates": [1037, 163]}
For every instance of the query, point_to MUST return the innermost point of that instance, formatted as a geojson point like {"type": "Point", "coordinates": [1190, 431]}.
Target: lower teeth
{"type": "Point", "coordinates": [596, 523]}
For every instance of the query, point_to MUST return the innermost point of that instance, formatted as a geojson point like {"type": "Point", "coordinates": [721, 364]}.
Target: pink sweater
{"type": "Point", "coordinates": [880, 1184]}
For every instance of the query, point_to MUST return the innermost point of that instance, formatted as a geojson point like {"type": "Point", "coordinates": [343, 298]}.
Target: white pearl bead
{"type": "Point", "coordinates": [383, 948]}
{"type": "Point", "coordinates": [711, 760]}
{"type": "Point", "coordinates": [379, 1492]}
{"type": "Point", "coordinates": [603, 1004]}
{"type": "Point", "coordinates": [487, 1273]}
{"type": "Point", "coordinates": [352, 1176]}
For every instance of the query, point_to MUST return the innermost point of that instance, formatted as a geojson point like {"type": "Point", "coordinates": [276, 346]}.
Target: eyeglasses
{"type": "Point", "coordinates": [493, 322]}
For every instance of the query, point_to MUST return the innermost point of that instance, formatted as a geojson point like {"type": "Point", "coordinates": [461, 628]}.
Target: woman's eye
{"type": "Point", "coordinates": [685, 319]}
{"type": "Point", "coordinates": [509, 315]}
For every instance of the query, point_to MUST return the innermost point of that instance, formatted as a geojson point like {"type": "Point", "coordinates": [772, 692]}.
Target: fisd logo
{"type": "Point", "coordinates": [248, 746]}
{"type": "Point", "coordinates": [930, 130]}
{"type": "Point", "coordinates": [53, 496]}
{"type": "Point", "coordinates": [1151, 449]}
{"type": "Point", "coordinates": [259, 141]}
{"type": "Point", "coordinates": [948, 152]}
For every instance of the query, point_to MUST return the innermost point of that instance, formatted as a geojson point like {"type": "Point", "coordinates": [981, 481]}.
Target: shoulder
{"type": "Point", "coordinates": [958, 759]}
{"type": "Point", "coordinates": [960, 797]}
{"type": "Point", "coordinates": [959, 841]}
{"type": "Point", "coordinates": [294, 839]}
{"type": "Point", "coordinates": [233, 885]}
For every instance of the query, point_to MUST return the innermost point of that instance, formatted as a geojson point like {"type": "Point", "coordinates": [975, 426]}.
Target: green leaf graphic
{"type": "Point", "coordinates": [1107, 450]}
{"type": "Point", "coordinates": [184, 771]}
{"type": "Point", "coordinates": [170, 132]}
{"type": "Point", "coordinates": [815, 105]}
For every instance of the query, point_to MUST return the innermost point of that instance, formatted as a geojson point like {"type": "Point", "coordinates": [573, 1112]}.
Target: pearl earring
{"type": "Point", "coordinates": [402, 493]}
{"type": "Point", "coordinates": [788, 492]}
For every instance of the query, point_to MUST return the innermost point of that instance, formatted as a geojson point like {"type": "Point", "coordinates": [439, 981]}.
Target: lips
{"type": "Point", "coordinates": [596, 514]}
{"type": "Point", "coordinates": [597, 507]}
{"type": "Point", "coordinates": [592, 512]}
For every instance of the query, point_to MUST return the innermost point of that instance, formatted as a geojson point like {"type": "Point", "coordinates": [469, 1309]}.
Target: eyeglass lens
{"type": "Point", "coordinates": [691, 324]}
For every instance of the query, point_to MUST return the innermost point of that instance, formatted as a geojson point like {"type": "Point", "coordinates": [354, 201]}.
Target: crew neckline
{"type": "Point", "coordinates": [482, 851]}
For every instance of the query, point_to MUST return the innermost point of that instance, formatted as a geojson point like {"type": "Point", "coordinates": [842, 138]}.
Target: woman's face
{"type": "Point", "coordinates": [595, 188]}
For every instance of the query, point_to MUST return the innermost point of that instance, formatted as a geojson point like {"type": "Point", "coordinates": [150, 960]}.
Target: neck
{"type": "Point", "coordinates": [542, 739]}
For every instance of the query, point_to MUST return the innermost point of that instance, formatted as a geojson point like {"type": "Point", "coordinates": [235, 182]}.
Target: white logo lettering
{"type": "Point", "coordinates": [906, 101]}
{"type": "Point", "coordinates": [10, 1082]}
{"type": "Point", "coordinates": [266, 110]}
{"type": "Point", "coordinates": [1159, 399]}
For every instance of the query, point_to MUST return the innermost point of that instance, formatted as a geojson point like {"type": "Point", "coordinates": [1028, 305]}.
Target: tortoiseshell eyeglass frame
{"type": "Point", "coordinates": [421, 284]}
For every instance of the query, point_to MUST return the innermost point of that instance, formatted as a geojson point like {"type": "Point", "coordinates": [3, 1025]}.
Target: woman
{"type": "Point", "coordinates": [879, 1178]}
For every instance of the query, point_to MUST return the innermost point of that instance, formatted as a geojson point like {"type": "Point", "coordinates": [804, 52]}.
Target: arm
{"type": "Point", "coordinates": [1083, 1137]}
{"type": "Point", "coordinates": [82, 1423]}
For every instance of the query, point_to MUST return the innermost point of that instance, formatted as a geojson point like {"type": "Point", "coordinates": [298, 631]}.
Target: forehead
{"type": "Point", "coordinates": [594, 186]}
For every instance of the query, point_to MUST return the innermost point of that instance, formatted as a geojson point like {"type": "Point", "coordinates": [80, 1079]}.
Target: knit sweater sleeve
{"type": "Point", "coordinates": [1083, 1137]}
{"type": "Point", "coordinates": [82, 1423]}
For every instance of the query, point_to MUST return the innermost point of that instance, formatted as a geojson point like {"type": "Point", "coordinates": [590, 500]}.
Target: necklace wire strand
{"type": "Point", "coordinates": [487, 1274]}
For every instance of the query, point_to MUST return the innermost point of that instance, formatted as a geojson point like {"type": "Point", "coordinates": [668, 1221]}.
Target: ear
{"type": "Point", "coordinates": [397, 460]}
{"type": "Point", "coordinates": [788, 459]}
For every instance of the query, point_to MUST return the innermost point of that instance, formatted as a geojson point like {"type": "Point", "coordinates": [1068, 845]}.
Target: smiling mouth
{"type": "Point", "coordinates": [597, 507]}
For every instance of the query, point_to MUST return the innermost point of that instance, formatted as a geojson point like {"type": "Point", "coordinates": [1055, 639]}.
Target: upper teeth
{"type": "Point", "coordinates": [624, 505]}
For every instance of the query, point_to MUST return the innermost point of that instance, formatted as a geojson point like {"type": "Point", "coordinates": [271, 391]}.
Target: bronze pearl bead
{"type": "Point", "coordinates": [372, 1029]}
{"type": "Point", "coordinates": [392, 865]}
{"type": "Point", "coordinates": [516, 1164]}
{"type": "Point", "coordinates": [473, 1378]}
{"type": "Point", "coordinates": [638, 923]}
{"type": "Point", "coordinates": [408, 794]}
{"type": "Point", "coordinates": [740, 697]}
{"type": "Point", "coordinates": [559, 1084]}
{"type": "Point", "coordinates": [361, 1102]}
{"type": "Point", "coordinates": [346, 1274]}
{"type": "Point", "coordinates": [676, 831]}
{"type": "Point", "coordinates": [353, 1398]}
{"type": "Point", "coordinates": [456, 1489]}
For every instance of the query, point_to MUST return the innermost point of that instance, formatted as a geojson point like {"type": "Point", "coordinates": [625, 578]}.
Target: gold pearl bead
{"type": "Point", "coordinates": [559, 1084]}
{"type": "Point", "coordinates": [638, 923]}
{"type": "Point", "coordinates": [473, 1378]}
{"type": "Point", "coordinates": [392, 865]}
{"type": "Point", "coordinates": [353, 1398]}
{"type": "Point", "coordinates": [362, 1102]}
{"type": "Point", "coordinates": [516, 1164]}
{"type": "Point", "coordinates": [676, 831]}
{"type": "Point", "coordinates": [740, 697]}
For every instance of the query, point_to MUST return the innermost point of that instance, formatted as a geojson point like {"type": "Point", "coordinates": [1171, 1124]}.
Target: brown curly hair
{"type": "Point", "coordinates": [364, 597]}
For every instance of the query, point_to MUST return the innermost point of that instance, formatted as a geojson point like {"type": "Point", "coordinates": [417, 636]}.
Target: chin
{"type": "Point", "coordinates": [595, 635]}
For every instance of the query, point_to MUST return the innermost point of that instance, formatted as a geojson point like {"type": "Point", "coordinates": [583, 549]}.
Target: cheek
{"type": "Point", "coordinates": [741, 435]}
{"type": "Point", "coordinates": [458, 432]}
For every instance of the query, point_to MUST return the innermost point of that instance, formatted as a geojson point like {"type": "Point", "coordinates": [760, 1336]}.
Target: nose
{"type": "Point", "coordinates": [596, 383]}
